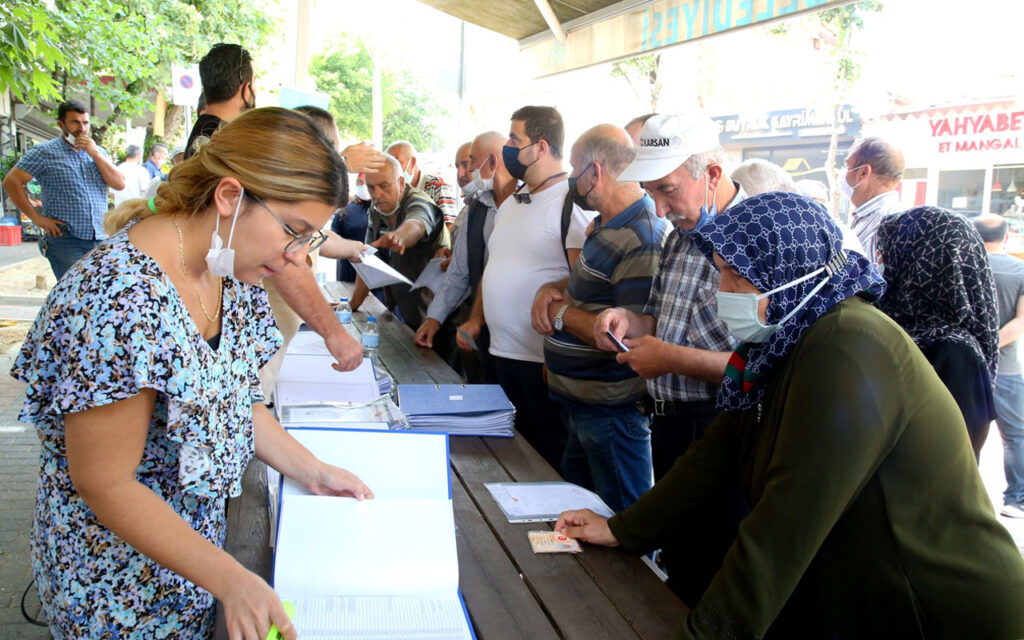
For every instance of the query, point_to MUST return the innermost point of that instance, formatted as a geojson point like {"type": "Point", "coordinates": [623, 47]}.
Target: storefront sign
{"type": "Point", "coordinates": [991, 131]}
{"type": "Point", "coordinates": [792, 124]}
{"type": "Point", "coordinates": [654, 25]}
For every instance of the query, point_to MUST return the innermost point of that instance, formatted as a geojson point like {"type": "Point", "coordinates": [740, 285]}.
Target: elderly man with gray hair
{"type": "Point", "coordinates": [760, 176]}
{"type": "Point", "coordinates": [608, 449]}
{"type": "Point", "coordinates": [406, 222]}
{"type": "Point", "coordinates": [873, 171]}
{"type": "Point", "coordinates": [442, 193]}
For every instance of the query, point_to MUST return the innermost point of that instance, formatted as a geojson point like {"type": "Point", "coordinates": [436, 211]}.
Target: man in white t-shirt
{"type": "Point", "coordinates": [525, 251]}
{"type": "Point", "coordinates": [136, 178]}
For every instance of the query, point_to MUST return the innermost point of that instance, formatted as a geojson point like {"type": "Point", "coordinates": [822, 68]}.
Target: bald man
{"type": "Point", "coordinates": [609, 445]}
{"type": "Point", "coordinates": [442, 193]}
{"type": "Point", "coordinates": [469, 256]}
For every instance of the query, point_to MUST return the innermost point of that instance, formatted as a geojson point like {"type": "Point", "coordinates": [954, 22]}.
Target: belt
{"type": "Point", "coordinates": [648, 405]}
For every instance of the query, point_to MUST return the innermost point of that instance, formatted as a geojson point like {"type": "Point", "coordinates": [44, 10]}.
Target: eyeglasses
{"type": "Point", "coordinates": [309, 240]}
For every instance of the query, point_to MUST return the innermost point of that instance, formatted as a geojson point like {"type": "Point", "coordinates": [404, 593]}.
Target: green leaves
{"type": "Point", "coordinates": [346, 75]}
{"type": "Point", "coordinates": [75, 48]}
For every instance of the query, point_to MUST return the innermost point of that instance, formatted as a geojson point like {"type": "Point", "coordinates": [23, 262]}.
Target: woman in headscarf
{"type": "Point", "coordinates": [869, 518]}
{"type": "Point", "coordinates": [941, 291]}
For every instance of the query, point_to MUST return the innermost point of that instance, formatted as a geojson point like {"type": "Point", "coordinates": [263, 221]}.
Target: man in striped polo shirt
{"type": "Point", "coordinates": [74, 173]}
{"type": "Point", "coordinates": [609, 444]}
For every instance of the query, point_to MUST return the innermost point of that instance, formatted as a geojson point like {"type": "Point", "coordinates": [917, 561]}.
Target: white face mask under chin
{"type": "Point", "coordinates": [220, 260]}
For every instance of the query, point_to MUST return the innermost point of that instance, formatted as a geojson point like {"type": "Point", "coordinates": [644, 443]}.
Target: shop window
{"type": "Point", "coordinates": [1008, 190]}
{"type": "Point", "coordinates": [961, 190]}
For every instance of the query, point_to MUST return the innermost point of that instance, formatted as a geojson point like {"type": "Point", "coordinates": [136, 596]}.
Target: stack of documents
{"type": "Point", "coordinates": [312, 380]}
{"type": "Point", "coordinates": [354, 569]}
{"type": "Point", "coordinates": [544, 501]}
{"type": "Point", "coordinates": [458, 409]}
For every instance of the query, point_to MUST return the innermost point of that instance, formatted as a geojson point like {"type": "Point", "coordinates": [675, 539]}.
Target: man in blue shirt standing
{"type": "Point", "coordinates": [74, 174]}
{"type": "Point", "coordinates": [157, 158]}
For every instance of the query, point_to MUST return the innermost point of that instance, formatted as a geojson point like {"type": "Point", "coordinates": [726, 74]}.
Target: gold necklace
{"type": "Point", "coordinates": [184, 271]}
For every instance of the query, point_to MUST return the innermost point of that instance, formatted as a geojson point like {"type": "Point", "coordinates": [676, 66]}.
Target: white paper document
{"type": "Point", "coordinates": [307, 343]}
{"type": "Point", "coordinates": [431, 277]}
{"type": "Point", "coordinates": [375, 272]}
{"type": "Point", "coordinates": [311, 379]}
{"type": "Point", "coordinates": [544, 501]}
{"type": "Point", "coordinates": [385, 568]}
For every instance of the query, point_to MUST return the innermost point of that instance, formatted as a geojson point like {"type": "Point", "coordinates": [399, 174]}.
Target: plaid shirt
{"type": "Point", "coordinates": [684, 305]}
{"type": "Point", "coordinates": [73, 189]}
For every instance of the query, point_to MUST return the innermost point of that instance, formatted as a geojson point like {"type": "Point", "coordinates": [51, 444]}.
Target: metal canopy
{"type": "Point", "coordinates": [561, 35]}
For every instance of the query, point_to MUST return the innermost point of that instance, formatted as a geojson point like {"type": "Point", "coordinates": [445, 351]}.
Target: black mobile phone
{"type": "Point", "coordinates": [618, 343]}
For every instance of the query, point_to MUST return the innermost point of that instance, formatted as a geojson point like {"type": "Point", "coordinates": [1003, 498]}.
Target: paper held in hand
{"type": "Point", "coordinates": [375, 272]}
{"type": "Point", "coordinates": [544, 501]}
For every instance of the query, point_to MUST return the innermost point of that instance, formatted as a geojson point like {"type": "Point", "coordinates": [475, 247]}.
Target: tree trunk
{"type": "Point", "coordinates": [174, 120]}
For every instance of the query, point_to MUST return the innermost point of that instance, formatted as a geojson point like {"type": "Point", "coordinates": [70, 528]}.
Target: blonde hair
{"type": "Point", "coordinates": [277, 154]}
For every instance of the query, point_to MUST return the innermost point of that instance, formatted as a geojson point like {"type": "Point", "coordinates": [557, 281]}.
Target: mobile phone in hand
{"type": "Point", "coordinates": [618, 343]}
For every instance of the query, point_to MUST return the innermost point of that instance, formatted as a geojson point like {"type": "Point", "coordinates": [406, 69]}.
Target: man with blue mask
{"type": "Point", "coordinates": [526, 250]}
{"type": "Point", "coordinates": [869, 180]}
{"type": "Point", "coordinates": [678, 343]}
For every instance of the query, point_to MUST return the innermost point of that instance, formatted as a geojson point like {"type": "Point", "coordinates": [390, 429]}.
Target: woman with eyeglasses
{"type": "Point", "coordinates": [142, 383]}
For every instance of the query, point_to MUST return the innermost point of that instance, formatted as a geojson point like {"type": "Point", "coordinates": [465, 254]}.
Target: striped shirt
{"type": "Point", "coordinates": [615, 269]}
{"type": "Point", "coordinates": [443, 195]}
{"type": "Point", "coordinates": [73, 189]}
{"type": "Point", "coordinates": [867, 217]}
{"type": "Point", "coordinates": [456, 279]}
{"type": "Point", "coordinates": [683, 303]}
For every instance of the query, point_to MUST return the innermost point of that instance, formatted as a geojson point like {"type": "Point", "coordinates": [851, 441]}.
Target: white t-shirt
{"type": "Point", "coordinates": [136, 180]}
{"type": "Point", "coordinates": [526, 252]}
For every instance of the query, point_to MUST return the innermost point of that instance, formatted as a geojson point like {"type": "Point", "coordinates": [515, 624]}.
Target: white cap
{"type": "Point", "coordinates": [666, 141]}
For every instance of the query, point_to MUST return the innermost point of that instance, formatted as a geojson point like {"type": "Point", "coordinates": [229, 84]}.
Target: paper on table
{"type": "Point", "coordinates": [310, 379]}
{"type": "Point", "coordinates": [544, 501]}
{"type": "Point", "coordinates": [309, 343]}
{"type": "Point", "coordinates": [382, 618]}
{"type": "Point", "coordinates": [431, 277]}
{"type": "Point", "coordinates": [338, 546]}
{"type": "Point", "coordinates": [394, 465]}
{"type": "Point", "coordinates": [375, 272]}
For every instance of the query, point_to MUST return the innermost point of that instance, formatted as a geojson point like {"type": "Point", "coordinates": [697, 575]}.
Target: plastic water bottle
{"type": "Point", "coordinates": [344, 315]}
{"type": "Point", "coordinates": [370, 339]}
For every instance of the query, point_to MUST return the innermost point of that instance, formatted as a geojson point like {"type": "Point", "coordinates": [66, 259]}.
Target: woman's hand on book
{"type": "Point", "coordinates": [335, 481]}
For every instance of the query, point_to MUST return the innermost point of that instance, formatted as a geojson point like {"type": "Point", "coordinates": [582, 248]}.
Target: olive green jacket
{"type": "Point", "coordinates": [869, 518]}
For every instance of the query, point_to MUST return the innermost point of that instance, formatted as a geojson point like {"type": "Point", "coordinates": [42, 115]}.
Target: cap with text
{"type": "Point", "coordinates": [666, 141]}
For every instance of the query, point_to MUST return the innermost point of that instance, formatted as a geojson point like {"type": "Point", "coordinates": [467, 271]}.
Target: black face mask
{"type": "Point", "coordinates": [580, 199]}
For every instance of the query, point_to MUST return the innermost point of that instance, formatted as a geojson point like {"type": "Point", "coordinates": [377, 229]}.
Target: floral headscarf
{"type": "Point", "coordinates": [773, 239]}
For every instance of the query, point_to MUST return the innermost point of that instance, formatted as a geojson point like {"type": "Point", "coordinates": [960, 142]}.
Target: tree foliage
{"type": "Point", "coordinates": [345, 73]}
{"type": "Point", "coordinates": [642, 74]}
{"type": "Point", "coordinates": [114, 51]}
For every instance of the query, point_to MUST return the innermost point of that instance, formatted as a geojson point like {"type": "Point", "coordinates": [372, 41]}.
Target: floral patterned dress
{"type": "Point", "coordinates": [114, 325]}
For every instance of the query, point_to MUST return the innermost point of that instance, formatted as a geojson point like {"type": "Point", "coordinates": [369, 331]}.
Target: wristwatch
{"type": "Point", "coordinates": [559, 323]}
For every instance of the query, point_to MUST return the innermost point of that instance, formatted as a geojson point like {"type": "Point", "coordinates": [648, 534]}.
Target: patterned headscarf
{"type": "Point", "coordinates": [940, 282]}
{"type": "Point", "coordinates": [773, 239]}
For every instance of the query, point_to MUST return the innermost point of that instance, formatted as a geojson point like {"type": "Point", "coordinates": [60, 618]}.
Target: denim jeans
{"type": "Point", "coordinates": [609, 452]}
{"type": "Point", "coordinates": [64, 251]}
{"type": "Point", "coordinates": [1009, 398]}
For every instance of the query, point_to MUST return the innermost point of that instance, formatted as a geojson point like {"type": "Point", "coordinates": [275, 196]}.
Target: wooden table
{"type": "Point", "coordinates": [509, 591]}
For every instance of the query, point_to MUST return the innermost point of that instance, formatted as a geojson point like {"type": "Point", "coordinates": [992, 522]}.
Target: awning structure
{"type": "Point", "coordinates": [561, 35]}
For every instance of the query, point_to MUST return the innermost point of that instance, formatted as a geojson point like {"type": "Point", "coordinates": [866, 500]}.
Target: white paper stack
{"type": "Point", "coordinates": [311, 380]}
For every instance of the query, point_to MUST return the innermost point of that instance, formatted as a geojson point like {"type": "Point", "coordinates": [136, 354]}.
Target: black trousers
{"type": "Point", "coordinates": [537, 416]}
{"type": "Point", "coordinates": [695, 555]}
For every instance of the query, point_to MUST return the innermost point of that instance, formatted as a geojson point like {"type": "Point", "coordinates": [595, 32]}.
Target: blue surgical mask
{"type": "Point", "coordinates": [705, 214]}
{"type": "Point", "coordinates": [510, 155]}
{"type": "Point", "coordinates": [220, 260]}
{"type": "Point", "coordinates": [739, 310]}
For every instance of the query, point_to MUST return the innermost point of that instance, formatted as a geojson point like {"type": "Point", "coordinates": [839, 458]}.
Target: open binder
{"type": "Point", "coordinates": [385, 568]}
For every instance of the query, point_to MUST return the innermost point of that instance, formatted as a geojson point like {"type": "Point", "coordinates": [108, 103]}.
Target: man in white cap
{"type": "Point", "coordinates": [677, 342]}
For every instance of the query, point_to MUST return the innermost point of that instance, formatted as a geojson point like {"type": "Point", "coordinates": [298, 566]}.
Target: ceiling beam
{"type": "Point", "coordinates": [549, 16]}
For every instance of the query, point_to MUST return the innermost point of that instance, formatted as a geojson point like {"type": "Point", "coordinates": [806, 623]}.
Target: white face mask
{"type": "Point", "coordinates": [469, 189]}
{"type": "Point", "coordinates": [220, 260]}
{"type": "Point", "coordinates": [739, 310]}
{"type": "Point", "coordinates": [406, 174]}
{"type": "Point", "coordinates": [362, 192]}
{"type": "Point", "coordinates": [844, 187]}
{"type": "Point", "coordinates": [483, 184]}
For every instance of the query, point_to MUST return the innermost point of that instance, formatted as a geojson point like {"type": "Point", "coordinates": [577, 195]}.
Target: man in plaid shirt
{"type": "Point", "coordinates": [74, 174]}
{"type": "Point", "coordinates": [678, 342]}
